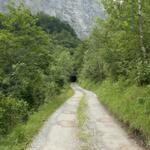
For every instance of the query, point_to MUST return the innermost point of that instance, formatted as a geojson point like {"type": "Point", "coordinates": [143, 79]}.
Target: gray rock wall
{"type": "Point", "coordinates": [78, 13]}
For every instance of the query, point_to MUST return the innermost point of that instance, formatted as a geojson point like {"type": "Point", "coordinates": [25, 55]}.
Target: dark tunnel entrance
{"type": "Point", "coordinates": [73, 78]}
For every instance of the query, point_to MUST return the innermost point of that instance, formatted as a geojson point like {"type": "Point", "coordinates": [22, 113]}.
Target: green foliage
{"type": "Point", "coordinates": [12, 112]}
{"type": "Point", "coordinates": [25, 54]}
{"type": "Point", "coordinates": [92, 67]}
{"type": "Point", "coordinates": [129, 103]}
{"type": "Point", "coordinates": [64, 66]}
{"type": "Point", "coordinates": [60, 31]}
{"type": "Point", "coordinates": [33, 64]}
{"type": "Point", "coordinates": [52, 24]}
{"type": "Point", "coordinates": [66, 39]}
{"type": "Point", "coordinates": [115, 63]}
{"type": "Point", "coordinates": [22, 135]}
{"type": "Point", "coordinates": [83, 134]}
{"type": "Point", "coordinates": [115, 44]}
{"type": "Point", "coordinates": [81, 113]}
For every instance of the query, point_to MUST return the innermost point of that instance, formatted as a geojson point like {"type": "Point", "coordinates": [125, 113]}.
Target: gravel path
{"type": "Point", "coordinates": [60, 131]}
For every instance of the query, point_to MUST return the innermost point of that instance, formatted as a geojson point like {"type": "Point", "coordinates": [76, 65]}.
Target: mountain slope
{"type": "Point", "coordinates": [78, 13]}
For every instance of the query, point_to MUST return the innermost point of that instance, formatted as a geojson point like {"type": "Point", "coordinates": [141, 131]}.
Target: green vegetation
{"type": "Point", "coordinates": [116, 62]}
{"type": "Point", "coordinates": [22, 135]}
{"type": "Point", "coordinates": [82, 122]}
{"type": "Point", "coordinates": [35, 65]}
{"type": "Point", "coordinates": [81, 116]}
{"type": "Point", "coordinates": [129, 103]}
{"type": "Point", "coordinates": [39, 53]}
{"type": "Point", "coordinates": [119, 46]}
{"type": "Point", "coordinates": [61, 32]}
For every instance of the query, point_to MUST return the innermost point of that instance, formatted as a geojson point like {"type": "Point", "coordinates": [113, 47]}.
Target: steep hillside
{"type": "Point", "coordinates": [78, 13]}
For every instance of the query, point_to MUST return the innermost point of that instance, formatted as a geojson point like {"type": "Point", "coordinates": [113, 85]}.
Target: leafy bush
{"type": "Point", "coordinates": [22, 135]}
{"type": "Point", "coordinates": [142, 73]}
{"type": "Point", "coordinates": [12, 112]}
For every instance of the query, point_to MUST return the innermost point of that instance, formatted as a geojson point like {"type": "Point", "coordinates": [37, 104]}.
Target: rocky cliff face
{"type": "Point", "coordinates": [78, 13]}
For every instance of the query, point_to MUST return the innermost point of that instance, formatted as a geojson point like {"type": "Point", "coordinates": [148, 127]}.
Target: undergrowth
{"type": "Point", "coordinates": [23, 134]}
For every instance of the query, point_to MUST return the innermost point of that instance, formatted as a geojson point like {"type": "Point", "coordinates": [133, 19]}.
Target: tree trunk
{"type": "Point", "coordinates": [141, 29]}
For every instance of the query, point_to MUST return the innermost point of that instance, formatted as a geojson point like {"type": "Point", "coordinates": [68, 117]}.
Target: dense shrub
{"type": "Point", "coordinates": [12, 112]}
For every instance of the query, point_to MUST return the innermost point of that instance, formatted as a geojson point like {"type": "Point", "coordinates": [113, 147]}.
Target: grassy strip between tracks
{"type": "Point", "coordinates": [82, 118]}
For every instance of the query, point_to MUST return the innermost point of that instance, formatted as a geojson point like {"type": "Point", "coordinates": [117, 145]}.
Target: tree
{"type": "Point", "coordinates": [122, 41]}
{"type": "Point", "coordinates": [141, 29]}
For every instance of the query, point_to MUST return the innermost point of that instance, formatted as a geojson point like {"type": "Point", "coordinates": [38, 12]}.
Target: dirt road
{"type": "Point", "coordinates": [60, 131]}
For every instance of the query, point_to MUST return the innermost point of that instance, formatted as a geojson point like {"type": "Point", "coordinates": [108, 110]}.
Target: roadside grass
{"type": "Point", "coordinates": [23, 134]}
{"type": "Point", "coordinates": [129, 103]}
{"type": "Point", "coordinates": [82, 118]}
